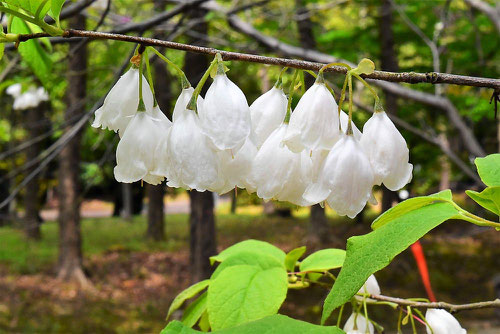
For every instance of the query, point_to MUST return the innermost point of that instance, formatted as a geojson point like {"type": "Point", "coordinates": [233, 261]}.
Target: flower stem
{"type": "Point", "coordinates": [291, 89]}
{"type": "Point", "coordinates": [141, 106]}
{"type": "Point", "coordinates": [192, 103]}
{"type": "Point", "coordinates": [150, 78]}
{"type": "Point", "coordinates": [279, 82]}
{"type": "Point", "coordinates": [349, 122]}
{"type": "Point", "coordinates": [182, 76]}
{"type": "Point", "coordinates": [367, 85]}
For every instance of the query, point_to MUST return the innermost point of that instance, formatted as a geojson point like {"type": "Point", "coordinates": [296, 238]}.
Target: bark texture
{"type": "Point", "coordinates": [70, 242]}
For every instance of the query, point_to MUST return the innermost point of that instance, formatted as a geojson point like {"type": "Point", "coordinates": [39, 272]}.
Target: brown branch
{"type": "Point", "coordinates": [408, 77]}
{"type": "Point", "coordinates": [453, 308]}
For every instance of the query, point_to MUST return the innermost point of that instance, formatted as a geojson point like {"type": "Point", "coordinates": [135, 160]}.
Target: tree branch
{"type": "Point", "coordinates": [492, 13]}
{"type": "Point", "coordinates": [453, 308]}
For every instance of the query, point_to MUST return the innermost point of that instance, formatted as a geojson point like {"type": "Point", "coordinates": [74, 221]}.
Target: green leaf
{"type": "Point", "coordinates": [186, 294]}
{"type": "Point", "coordinates": [2, 48]}
{"type": "Point", "coordinates": [32, 52]}
{"type": "Point", "coordinates": [371, 252]}
{"type": "Point", "coordinates": [194, 311]}
{"type": "Point", "coordinates": [275, 324]}
{"type": "Point", "coordinates": [489, 169]}
{"type": "Point", "coordinates": [55, 9]}
{"type": "Point", "coordinates": [32, 6]}
{"type": "Point", "coordinates": [261, 260]}
{"type": "Point", "coordinates": [489, 198]}
{"type": "Point", "coordinates": [204, 324]}
{"type": "Point", "coordinates": [249, 245]}
{"type": "Point", "coordinates": [409, 205]}
{"type": "Point", "coordinates": [323, 260]}
{"type": "Point", "coordinates": [293, 256]}
{"type": "Point", "coordinates": [243, 293]}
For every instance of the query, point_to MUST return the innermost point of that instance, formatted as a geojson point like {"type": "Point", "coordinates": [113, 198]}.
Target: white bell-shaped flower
{"type": "Point", "coordinates": [370, 287]}
{"type": "Point", "coordinates": [183, 101]}
{"type": "Point", "coordinates": [135, 154]}
{"type": "Point", "coordinates": [235, 170]}
{"type": "Point", "coordinates": [280, 173]}
{"type": "Point", "coordinates": [345, 180]}
{"type": "Point", "coordinates": [191, 163]}
{"type": "Point", "coordinates": [387, 151]}
{"type": "Point", "coordinates": [357, 324]}
{"type": "Point", "coordinates": [14, 90]}
{"type": "Point", "coordinates": [344, 120]}
{"type": "Point", "coordinates": [122, 101]}
{"type": "Point", "coordinates": [314, 124]}
{"type": "Point", "coordinates": [160, 117]}
{"type": "Point", "coordinates": [442, 322]}
{"type": "Point", "coordinates": [225, 115]}
{"type": "Point", "coordinates": [267, 113]}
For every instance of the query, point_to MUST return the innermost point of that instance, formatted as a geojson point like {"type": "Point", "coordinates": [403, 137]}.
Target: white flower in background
{"type": "Point", "coordinates": [370, 287]}
{"type": "Point", "coordinates": [122, 101]}
{"type": "Point", "coordinates": [29, 99]}
{"type": "Point", "coordinates": [314, 124]}
{"type": "Point", "coordinates": [189, 162]}
{"type": "Point", "coordinates": [183, 101]}
{"type": "Point", "coordinates": [267, 113]}
{"type": "Point", "coordinates": [387, 151]}
{"type": "Point", "coordinates": [234, 171]}
{"type": "Point", "coordinates": [345, 179]}
{"type": "Point", "coordinates": [442, 322]}
{"type": "Point", "coordinates": [225, 116]}
{"type": "Point", "coordinates": [160, 117]}
{"type": "Point", "coordinates": [14, 90]}
{"type": "Point", "coordinates": [279, 173]}
{"type": "Point", "coordinates": [357, 324]}
{"type": "Point", "coordinates": [135, 154]}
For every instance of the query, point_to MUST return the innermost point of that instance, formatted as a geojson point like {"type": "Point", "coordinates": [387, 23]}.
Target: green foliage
{"type": "Point", "coordinates": [190, 292]}
{"type": "Point", "coordinates": [195, 310]}
{"type": "Point", "coordinates": [293, 256]}
{"type": "Point", "coordinates": [323, 260]}
{"type": "Point", "coordinates": [489, 198]}
{"type": "Point", "coordinates": [275, 324]}
{"type": "Point", "coordinates": [371, 252]}
{"type": "Point", "coordinates": [250, 245]}
{"type": "Point", "coordinates": [488, 169]}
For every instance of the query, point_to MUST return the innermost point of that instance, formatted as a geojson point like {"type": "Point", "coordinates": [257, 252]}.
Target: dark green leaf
{"type": "Point", "coordinates": [250, 245]}
{"type": "Point", "coordinates": [194, 311]}
{"type": "Point", "coordinates": [293, 256]}
{"type": "Point", "coordinates": [371, 252]}
{"type": "Point", "coordinates": [409, 205]}
{"type": "Point", "coordinates": [489, 169]}
{"type": "Point", "coordinates": [243, 293]}
{"type": "Point", "coordinates": [323, 260]}
{"type": "Point", "coordinates": [489, 198]}
{"type": "Point", "coordinates": [275, 324]}
{"type": "Point", "coordinates": [186, 294]}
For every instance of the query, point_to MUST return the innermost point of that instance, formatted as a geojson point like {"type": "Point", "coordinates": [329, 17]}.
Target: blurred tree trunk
{"type": "Point", "coordinates": [202, 242]}
{"type": "Point", "coordinates": [389, 62]}
{"type": "Point", "coordinates": [70, 243]}
{"type": "Point", "coordinates": [127, 201]}
{"type": "Point", "coordinates": [318, 224]}
{"type": "Point", "coordinates": [34, 117]}
{"type": "Point", "coordinates": [156, 217]}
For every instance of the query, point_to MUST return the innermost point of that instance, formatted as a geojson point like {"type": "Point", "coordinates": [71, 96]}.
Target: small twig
{"type": "Point", "coordinates": [453, 308]}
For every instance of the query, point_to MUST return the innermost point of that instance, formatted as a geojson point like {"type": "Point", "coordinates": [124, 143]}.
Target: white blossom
{"type": "Point", "coordinates": [387, 151]}
{"type": "Point", "coordinates": [190, 162]}
{"type": "Point", "coordinates": [442, 322]}
{"type": "Point", "coordinates": [280, 173]}
{"type": "Point", "coordinates": [225, 116]}
{"type": "Point", "coordinates": [15, 89]}
{"type": "Point", "coordinates": [183, 101]}
{"type": "Point", "coordinates": [267, 113]}
{"type": "Point", "coordinates": [357, 324]}
{"type": "Point", "coordinates": [135, 154]}
{"type": "Point", "coordinates": [344, 119]}
{"type": "Point", "coordinates": [314, 124]}
{"type": "Point", "coordinates": [122, 101]}
{"type": "Point", "coordinates": [370, 287]}
{"type": "Point", "coordinates": [29, 99]}
{"type": "Point", "coordinates": [345, 179]}
{"type": "Point", "coordinates": [161, 118]}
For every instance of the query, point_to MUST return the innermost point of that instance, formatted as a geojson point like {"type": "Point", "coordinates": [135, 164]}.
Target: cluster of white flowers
{"type": "Point", "coordinates": [317, 156]}
{"type": "Point", "coordinates": [438, 321]}
{"type": "Point", "coordinates": [29, 99]}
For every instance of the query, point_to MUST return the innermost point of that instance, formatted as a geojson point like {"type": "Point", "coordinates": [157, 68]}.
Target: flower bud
{"type": "Point", "coordinates": [442, 322]}
{"type": "Point", "coordinates": [357, 324]}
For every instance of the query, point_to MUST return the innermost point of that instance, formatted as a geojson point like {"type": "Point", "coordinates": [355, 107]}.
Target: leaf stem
{"type": "Point", "coordinates": [182, 76]}
{"type": "Point", "coordinates": [150, 78]}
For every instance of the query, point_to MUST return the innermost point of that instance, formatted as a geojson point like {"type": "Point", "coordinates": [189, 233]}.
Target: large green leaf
{"type": "Point", "coordinates": [489, 198]}
{"type": "Point", "coordinates": [243, 293]}
{"type": "Point", "coordinates": [275, 324]}
{"type": "Point", "coordinates": [323, 260]}
{"type": "Point", "coordinates": [371, 252]}
{"type": "Point", "coordinates": [293, 256]}
{"type": "Point", "coordinates": [194, 311]}
{"type": "Point", "coordinates": [32, 6]}
{"type": "Point", "coordinates": [190, 292]}
{"type": "Point", "coordinates": [32, 52]}
{"type": "Point", "coordinates": [409, 205]}
{"type": "Point", "coordinates": [261, 260]}
{"type": "Point", "coordinates": [489, 169]}
{"type": "Point", "coordinates": [250, 245]}
{"type": "Point", "coordinates": [55, 9]}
